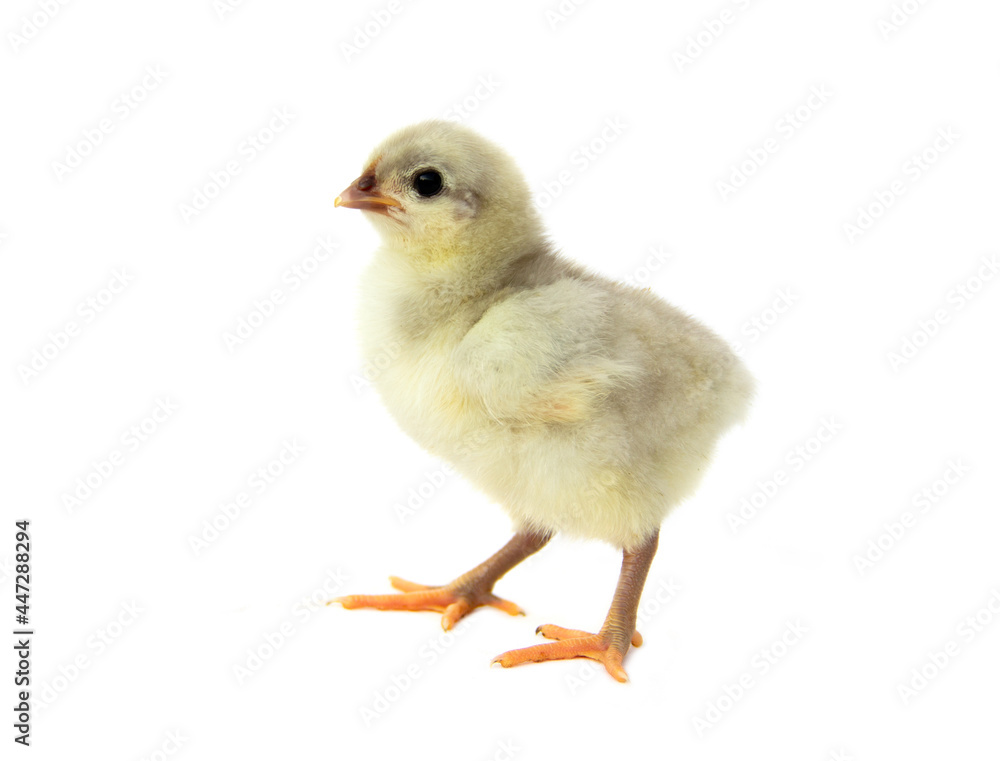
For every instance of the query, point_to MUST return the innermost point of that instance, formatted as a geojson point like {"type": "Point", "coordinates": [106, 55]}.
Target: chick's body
{"type": "Point", "coordinates": [578, 404]}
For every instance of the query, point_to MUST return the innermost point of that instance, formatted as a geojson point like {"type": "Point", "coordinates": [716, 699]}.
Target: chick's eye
{"type": "Point", "coordinates": [427, 183]}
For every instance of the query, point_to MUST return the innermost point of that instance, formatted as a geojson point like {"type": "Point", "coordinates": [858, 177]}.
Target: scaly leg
{"type": "Point", "coordinates": [466, 593]}
{"type": "Point", "coordinates": [611, 643]}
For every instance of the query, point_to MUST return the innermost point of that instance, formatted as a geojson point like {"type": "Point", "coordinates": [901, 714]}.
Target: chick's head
{"type": "Point", "coordinates": [440, 190]}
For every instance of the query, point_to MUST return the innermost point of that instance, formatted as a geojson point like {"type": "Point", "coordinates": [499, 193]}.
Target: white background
{"type": "Point", "coordinates": [163, 680]}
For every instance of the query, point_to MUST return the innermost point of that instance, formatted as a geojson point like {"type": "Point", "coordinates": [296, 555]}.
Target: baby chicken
{"type": "Point", "coordinates": [577, 403]}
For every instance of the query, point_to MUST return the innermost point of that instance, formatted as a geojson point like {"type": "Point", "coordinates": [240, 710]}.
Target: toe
{"type": "Point", "coordinates": [406, 601]}
{"type": "Point", "coordinates": [454, 613]}
{"type": "Point", "coordinates": [550, 631]}
{"type": "Point", "coordinates": [505, 605]}
{"type": "Point", "coordinates": [613, 665]}
{"type": "Point", "coordinates": [407, 586]}
{"type": "Point", "coordinates": [552, 651]}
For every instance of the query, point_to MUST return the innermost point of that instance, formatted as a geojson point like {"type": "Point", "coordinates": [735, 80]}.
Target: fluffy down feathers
{"type": "Point", "coordinates": [579, 404]}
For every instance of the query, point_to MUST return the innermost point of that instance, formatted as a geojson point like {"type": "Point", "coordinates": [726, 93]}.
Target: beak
{"type": "Point", "coordinates": [364, 194]}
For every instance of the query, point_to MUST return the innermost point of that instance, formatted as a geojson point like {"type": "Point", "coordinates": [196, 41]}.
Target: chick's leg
{"type": "Point", "coordinates": [466, 593]}
{"type": "Point", "coordinates": [611, 643]}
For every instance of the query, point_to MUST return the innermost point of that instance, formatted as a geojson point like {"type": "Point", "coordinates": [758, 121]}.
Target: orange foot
{"type": "Point", "coordinates": [455, 600]}
{"type": "Point", "coordinates": [607, 647]}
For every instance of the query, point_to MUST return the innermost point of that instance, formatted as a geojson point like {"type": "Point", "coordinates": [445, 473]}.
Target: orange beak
{"type": "Point", "coordinates": [364, 194]}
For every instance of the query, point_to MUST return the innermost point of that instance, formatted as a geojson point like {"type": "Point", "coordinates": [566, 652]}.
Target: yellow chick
{"type": "Point", "coordinates": [578, 404]}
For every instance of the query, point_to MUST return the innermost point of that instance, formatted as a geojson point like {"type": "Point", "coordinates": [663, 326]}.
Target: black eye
{"type": "Point", "coordinates": [427, 183]}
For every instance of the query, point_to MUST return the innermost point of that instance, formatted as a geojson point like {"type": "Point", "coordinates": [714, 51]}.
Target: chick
{"type": "Point", "coordinates": [579, 404]}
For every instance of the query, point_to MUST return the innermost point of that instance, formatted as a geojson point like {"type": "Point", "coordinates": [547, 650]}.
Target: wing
{"type": "Point", "coordinates": [542, 355]}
